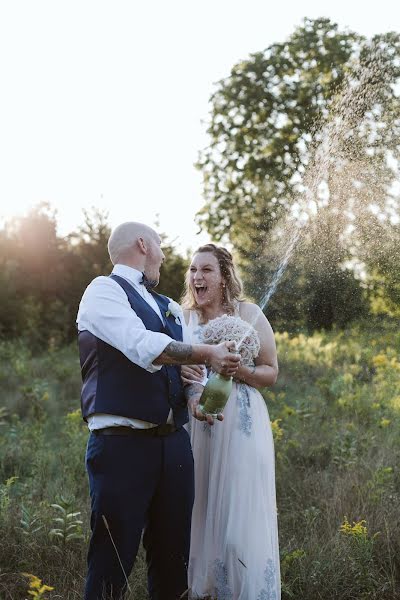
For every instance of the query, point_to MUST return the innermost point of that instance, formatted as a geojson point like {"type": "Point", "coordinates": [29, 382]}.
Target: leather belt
{"type": "Point", "coordinates": [159, 430]}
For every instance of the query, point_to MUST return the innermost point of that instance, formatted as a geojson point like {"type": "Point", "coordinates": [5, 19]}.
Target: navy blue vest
{"type": "Point", "coordinates": [112, 384]}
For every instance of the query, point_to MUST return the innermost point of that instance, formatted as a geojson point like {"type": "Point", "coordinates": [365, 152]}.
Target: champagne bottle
{"type": "Point", "coordinates": [216, 393]}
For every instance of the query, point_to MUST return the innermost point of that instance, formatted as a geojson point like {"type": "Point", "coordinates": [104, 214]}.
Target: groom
{"type": "Point", "coordinates": [138, 458]}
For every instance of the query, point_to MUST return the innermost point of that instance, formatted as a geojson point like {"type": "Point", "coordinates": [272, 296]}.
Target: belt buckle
{"type": "Point", "coordinates": [164, 429]}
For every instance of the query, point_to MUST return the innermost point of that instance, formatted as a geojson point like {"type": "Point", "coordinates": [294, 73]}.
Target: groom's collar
{"type": "Point", "coordinates": [129, 273]}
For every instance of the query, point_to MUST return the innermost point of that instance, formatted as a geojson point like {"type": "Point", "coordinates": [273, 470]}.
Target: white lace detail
{"type": "Point", "coordinates": [228, 328]}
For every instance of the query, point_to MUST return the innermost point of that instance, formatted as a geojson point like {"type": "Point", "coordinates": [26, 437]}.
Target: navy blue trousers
{"type": "Point", "coordinates": [138, 483]}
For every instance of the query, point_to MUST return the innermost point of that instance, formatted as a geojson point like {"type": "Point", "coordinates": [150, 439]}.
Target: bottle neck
{"type": "Point", "coordinates": [219, 376]}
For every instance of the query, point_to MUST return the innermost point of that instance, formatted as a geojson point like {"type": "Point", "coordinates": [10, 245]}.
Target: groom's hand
{"type": "Point", "coordinates": [223, 359]}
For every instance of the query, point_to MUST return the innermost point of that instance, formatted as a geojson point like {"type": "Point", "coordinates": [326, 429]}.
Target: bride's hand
{"type": "Point", "coordinates": [193, 404]}
{"type": "Point", "coordinates": [192, 373]}
{"type": "Point", "coordinates": [193, 393]}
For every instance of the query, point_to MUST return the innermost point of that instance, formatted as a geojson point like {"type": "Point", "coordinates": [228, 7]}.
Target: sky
{"type": "Point", "coordinates": [103, 103]}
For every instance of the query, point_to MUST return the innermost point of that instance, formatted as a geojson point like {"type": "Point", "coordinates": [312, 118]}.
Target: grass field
{"type": "Point", "coordinates": [335, 413]}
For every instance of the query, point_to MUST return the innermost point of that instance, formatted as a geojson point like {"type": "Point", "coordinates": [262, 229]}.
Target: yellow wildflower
{"type": "Point", "coordinates": [358, 529]}
{"type": "Point", "coordinates": [379, 360]}
{"type": "Point", "coordinates": [36, 588]}
{"type": "Point", "coordinates": [347, 378]}
{"type": "Point", "coordinates": [395, 402]}
{"type": "Point", "coordinates": [277, 431]}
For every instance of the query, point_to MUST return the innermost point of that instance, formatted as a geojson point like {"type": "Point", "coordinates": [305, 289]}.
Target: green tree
{"type": "Point", "coordinates": [382, 257]}
{"type": "Point", "coordinates": [173, 270]}
{"type": "Point", "coordinates": [43, 275]}
{"type": "Point", "coordinates": [31, 274]}
{"type": "Point", "coordinates": [90, 241]}
{"type": "Point", "coordinates": [310, 120]}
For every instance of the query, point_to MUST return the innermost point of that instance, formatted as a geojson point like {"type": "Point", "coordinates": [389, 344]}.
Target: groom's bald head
{"type": "Point", "coordinates": [123, 245]}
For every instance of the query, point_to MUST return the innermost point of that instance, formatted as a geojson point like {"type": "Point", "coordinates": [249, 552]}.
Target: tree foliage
{"type": "Point", "coordinates": [309, 121]}
{"type": "Point", "coordinates": [43, 275]}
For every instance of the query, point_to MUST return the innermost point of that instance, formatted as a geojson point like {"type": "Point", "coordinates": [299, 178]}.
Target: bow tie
{"type": "Point", "coordinates": [149, 285]}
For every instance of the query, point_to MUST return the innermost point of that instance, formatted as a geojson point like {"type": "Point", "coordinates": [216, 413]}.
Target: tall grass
{"type": "Point", "coordinates": [336, 423]}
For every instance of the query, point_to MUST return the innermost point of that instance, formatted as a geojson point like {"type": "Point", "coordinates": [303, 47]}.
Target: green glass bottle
{"type": "Point", "coordinates": [215, 394]}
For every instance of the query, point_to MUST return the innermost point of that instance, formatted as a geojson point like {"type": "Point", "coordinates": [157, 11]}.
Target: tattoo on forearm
{"type": "Point", "coordinates": [179, 351]}
{"type": "Point", "coordinates": [192, 392]}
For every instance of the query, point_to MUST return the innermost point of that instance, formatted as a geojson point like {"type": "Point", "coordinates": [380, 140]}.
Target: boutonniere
{"type": "Point", "coordinates": [174, 310]}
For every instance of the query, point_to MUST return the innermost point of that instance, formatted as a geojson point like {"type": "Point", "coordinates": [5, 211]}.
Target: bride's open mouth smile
{"type": "Point", "coordinates": [200, 291]}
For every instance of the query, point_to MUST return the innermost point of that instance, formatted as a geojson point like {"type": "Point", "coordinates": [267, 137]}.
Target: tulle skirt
{"type": "Point", "coordinates": [234, 543]}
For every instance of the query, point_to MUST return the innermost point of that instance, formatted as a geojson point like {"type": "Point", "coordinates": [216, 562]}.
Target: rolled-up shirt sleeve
{"type": "Point", "coordinates": [105, 312]}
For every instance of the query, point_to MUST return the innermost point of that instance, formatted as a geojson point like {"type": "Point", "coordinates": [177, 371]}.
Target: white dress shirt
{"type": "Point", "coordinates": [105, 312]}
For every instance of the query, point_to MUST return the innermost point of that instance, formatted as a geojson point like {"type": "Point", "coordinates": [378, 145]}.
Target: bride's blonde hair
{"type": "Point", "coordinates": [232, 288]}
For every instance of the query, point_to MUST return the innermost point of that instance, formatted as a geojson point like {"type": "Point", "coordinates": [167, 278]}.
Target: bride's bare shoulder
{"type": "Point", "coordinates": [249, 310]}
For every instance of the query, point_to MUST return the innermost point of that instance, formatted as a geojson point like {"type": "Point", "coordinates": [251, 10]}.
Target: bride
{"type": "Point", "coordinates": [234, 542]}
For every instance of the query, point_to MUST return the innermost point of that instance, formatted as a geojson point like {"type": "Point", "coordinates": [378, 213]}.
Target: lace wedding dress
{"type": "Point", "coordinates": [234, 543]}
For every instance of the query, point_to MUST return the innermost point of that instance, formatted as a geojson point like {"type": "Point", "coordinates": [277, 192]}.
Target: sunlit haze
{"type": "Point", "coordinates": [102, 102]}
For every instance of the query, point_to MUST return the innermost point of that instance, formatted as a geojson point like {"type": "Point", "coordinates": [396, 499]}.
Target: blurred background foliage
{"type": "Point", "coordinates": [267, 120]}
{"type": "Point", "coordinates": [43, 275]}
